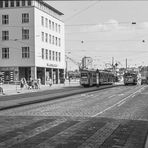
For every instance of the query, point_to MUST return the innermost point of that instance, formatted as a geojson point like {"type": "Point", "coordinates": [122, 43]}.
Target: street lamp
{"type": "Point", "coordinates": [66, 69]}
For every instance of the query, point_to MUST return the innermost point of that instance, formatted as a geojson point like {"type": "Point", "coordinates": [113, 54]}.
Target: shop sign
{"type": "Point", "coordinates": [7, 68]}
{"type": "Point", "coordinates": [52, 65]}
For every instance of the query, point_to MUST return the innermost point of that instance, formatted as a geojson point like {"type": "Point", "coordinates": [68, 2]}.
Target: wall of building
{"type": "Point", "coordinates": [15, 42]}
{"type": "Point", "coordinates": [35, 66]}
{"type": "Point", "coordinates": [39, 44]}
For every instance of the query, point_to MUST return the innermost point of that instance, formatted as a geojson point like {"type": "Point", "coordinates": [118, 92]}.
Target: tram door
{"type": "Point", "coordinates": [90, 79]}
{"type": "Point", "coordinates": [97, 77]}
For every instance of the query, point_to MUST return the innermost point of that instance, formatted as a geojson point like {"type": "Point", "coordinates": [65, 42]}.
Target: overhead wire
{"type": "Point", "coordinates": [75, 25]}
{"type": "Point", "coordinates": [127, 40]}
{"type": "Point", "coordinates": [81, 11]}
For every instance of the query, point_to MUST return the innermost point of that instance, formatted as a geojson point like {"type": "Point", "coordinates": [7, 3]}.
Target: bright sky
{"type": "Point", "coordinates": [104, 29]}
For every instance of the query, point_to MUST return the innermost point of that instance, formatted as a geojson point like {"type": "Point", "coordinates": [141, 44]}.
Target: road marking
{"type": "Point", "coordinates": [144, 93]}
{"type": "Point", "coordinates": [82, 95]}
{"type": "Point", "coordinates": [111, 96]}
{"type": "Point", "coordinates": [120, 94]}
{"type": "Point", "coordinates": [121, 103]}
{"type": "Point", "coordinates": [118, 103]}
{"type": "Point", "coordinates": [97, 139]}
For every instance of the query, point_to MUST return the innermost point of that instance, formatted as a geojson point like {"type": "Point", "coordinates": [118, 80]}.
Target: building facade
{"type": "Point", "coordinates": [32, 41]}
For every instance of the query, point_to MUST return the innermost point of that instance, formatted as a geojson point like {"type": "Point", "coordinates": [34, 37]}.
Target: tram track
{"type": "Point", "coordinates": [121, 102]}
{"type": "Point", "coordinates": [44, 98]}
{"type": "Point", "coordinates": [69, 122]}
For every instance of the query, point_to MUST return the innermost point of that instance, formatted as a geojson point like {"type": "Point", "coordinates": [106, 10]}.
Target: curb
{"type": "Point", "coordinates": [10, 92]}
{"type": "Point", "coordinates": [54, 97]}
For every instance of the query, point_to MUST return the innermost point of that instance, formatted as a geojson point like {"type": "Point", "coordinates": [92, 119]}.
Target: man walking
{"type": "Point", "coordinates": [1, 88]}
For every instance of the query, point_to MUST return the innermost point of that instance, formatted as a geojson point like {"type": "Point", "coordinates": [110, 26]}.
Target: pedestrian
{"type": "Point", "coordinates": [69, 80]}
{"type": "Point", "coordinates": [50, 82]}
{"type": "Point", "coordinates": [30, 84]}
{"type": "Point", "coordinates": [35, 84]}
{"type": "Point", "coordinates": [39, 83]}
{"type": "Point", "coordinates": [64, 81]}
{"type": "Point", "coordinates": [21, 83]}
{"type": "Point", "coordinates": [1, 91]}
{"type": "Point", "coordinates": [25, 83]}
{"type": "Point", "coordinates": [1, 88]}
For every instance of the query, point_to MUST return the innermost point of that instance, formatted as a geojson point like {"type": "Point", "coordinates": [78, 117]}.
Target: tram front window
{"type": "Point", "coordinates": [83, 74]}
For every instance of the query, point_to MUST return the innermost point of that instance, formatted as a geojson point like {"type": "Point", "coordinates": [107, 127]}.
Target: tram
{"type": "Point", "coordinates": [130, 78]}
{"type": "Point", "coordinates": [95, 77]}
{"type": "Point", "coordinates": [88, 78]}
{"type": "Point", "coordinates": [144, 75]}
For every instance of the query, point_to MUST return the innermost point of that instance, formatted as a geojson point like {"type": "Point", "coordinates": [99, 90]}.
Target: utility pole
{"type": "Point", "coordinates": [113, 67]}
{"type": "Point", "coordinates": [112, 61]}
{"type": "Point", "coordinates": [66, 71]}
{"type": "Point", "coordinates": [126, 63]}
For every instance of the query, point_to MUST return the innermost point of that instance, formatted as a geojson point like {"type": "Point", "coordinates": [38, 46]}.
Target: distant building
{"type": "Point", "coordinates": [87, 63]}
{"type": "Point", "coordinates": [31, 41]}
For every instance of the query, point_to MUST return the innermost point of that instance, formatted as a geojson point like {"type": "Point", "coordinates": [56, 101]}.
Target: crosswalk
{"type": "Point", "coordinates": [70, 132]}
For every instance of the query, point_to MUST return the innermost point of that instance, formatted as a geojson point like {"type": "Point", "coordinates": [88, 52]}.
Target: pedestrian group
{"type": "Point", "coordinates": [31, 84]}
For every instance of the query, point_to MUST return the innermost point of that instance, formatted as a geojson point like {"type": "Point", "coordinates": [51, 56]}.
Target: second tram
{"type": "Point", "coordinates": [130, 78]}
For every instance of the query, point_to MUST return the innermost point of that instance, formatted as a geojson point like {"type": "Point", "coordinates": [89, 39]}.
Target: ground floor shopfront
{"type": "Point", "coordinates": [13, 74]}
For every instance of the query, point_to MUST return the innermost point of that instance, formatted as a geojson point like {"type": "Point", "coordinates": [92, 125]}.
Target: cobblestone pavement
{"type": "Point", "coordinates": [70, 122]}
{"type": "Point", "coordinates": [67, 132]}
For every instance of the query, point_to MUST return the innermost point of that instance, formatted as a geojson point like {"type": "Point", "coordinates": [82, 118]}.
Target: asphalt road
{"type": "Point", "coordinates": [110, 118]}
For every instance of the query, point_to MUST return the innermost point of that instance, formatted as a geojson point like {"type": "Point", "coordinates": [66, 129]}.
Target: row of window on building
{"type": "Point", "coordinates": [25, 53]}
{"type": "Point", "coordinates": [50, 24]}
{"type": "Point", "coordinates": [51, 39]}
{"type": "Point", "coordinates": [25, 18]}
{"type": "Point", "coordinates": [25, 34]}
{"type": "Point", "coordinates": [51, 55]}
{"type": "Point", "coordinates": [46, 54]}
{"type": "Point", "coordinates": [15, 3]}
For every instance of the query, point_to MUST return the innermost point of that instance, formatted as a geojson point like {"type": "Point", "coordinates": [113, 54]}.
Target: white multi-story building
{"type": "Point", "coordinates": [31, 41]}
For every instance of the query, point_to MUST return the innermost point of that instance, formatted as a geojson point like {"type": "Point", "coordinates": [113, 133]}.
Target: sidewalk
{"type": "Point", "coordinates": [11, 89]}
